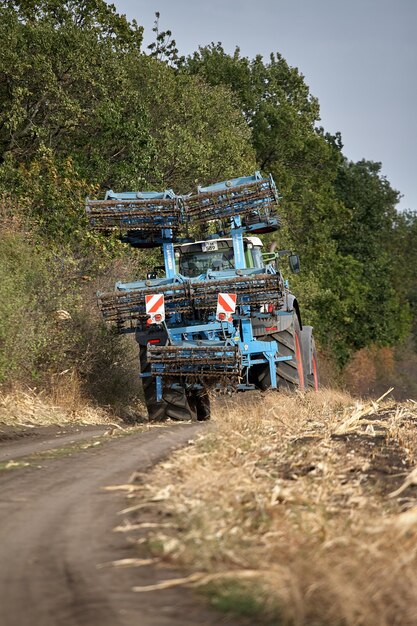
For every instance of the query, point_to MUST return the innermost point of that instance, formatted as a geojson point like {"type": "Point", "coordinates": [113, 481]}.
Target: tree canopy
{"type": "Point", "coordinates": [84, 108]}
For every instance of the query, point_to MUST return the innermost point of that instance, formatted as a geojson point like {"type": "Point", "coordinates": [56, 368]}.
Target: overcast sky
{"type": "Point", "coordinates": [359, 58]}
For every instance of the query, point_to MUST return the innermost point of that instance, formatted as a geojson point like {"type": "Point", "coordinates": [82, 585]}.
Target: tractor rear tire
{"type": "Point", "coordinates": [174, 404]}
{"type": "Point", "coordinates": [200, 401]}
{"type": "Point", "coordinates": [290, 374]}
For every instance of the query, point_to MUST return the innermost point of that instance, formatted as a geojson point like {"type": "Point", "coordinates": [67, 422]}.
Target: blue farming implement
{"type": "Point", "coordinates": [220, 316]}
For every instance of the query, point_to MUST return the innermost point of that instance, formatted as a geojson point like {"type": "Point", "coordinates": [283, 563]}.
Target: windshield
{"type": "Point", "coordinates": [198, 262]}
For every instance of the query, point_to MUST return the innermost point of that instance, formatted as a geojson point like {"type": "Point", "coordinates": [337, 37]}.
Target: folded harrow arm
{"type": "Point", "coordinates": [191, 363]}
{"type": "Point", "coordinates": [134, 214]}
{"type": "Point", "coordinates": [188, 299]}
{"type": "Point", "coordinates": [124, 308]}
{"type": "Point", "coordinates": [150, 213]}
{"type": "Point", "coordinates": [258, 196]}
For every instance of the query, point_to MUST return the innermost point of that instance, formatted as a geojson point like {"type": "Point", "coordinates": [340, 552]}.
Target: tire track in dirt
{"type": "Point", "coordinates": [51, 439]}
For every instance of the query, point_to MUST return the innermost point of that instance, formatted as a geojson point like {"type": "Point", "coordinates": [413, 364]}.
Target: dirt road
{"type": "Point", "coordinates": [56, 526]}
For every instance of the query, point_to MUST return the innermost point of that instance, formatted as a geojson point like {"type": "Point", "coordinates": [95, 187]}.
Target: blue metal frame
{"type": "Point", "coordinates": [239, 331]}
{"type": "Point", "coordinates": [169, 254]}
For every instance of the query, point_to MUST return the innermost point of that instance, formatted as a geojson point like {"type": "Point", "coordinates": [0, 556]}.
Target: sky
{"type": "Point", "coordinates": [358, 57]}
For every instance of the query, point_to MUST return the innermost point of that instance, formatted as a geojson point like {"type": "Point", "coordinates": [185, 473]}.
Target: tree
{"type": "Point", "coordinates": [77, 95]}
{"type": "Point", "coordinates": [282, 116]}
{"type": "Point", "coordinates": [403, 250]}
{"type": "Point", "coordinates": [198, 134]}
{"type": "Point", "coordinates": [64, 87]}
{"type": "Point", "coordinates": [82, 109]}
{"type": "Point", "coordinates": [336, 214]}
{"type": "Point", "coordinates": [367, 236]}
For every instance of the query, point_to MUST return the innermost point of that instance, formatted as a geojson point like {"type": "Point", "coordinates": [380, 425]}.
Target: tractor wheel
{"type": "Point", "coordinates": [174, 404]}
{"type": "Point", "coordinates": [290, 374]}
{"type": "Point", "coordinates": [312, 377]}
{"type": "Point", "coordinates": [200, 401]}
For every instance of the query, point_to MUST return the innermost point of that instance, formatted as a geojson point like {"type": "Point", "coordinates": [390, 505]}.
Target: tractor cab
{"type": "Point", "coordinates": [194, 259]}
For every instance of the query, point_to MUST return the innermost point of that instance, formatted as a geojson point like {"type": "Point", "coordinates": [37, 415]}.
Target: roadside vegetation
{"type": "Point", "coordinates": [297, 512]}
{"type": "Point", "coordinates": [85, 107]}
{"type": "Point", "coordinates": [23, 409]}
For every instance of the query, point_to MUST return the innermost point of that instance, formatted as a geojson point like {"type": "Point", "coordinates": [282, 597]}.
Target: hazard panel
{"type": "Point", "coordinates": [155, 307]}
{"type": "Point", "coordinates": [226, 306]}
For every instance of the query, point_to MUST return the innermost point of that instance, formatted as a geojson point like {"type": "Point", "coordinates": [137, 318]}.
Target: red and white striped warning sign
{"type": "Point", "coordinates": [226, 305]}
{"type": "Point", "coordinates": [155, 307]}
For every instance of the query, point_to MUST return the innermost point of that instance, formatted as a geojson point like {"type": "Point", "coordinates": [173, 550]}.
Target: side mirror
{"type": "Point", "coordinates": [294, 261]}
{"type": "Point", "coordinates": [154, 274]}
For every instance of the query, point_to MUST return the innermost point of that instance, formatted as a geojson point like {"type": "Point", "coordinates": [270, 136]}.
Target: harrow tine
{"type": "Point", "coordinates": [124, 307]}
{"type": "Point", "coordinates": [257, 196]}
{"type": "Point", "coordinates": [254, 290]}
{"type": "Point", "coordinates": [121, 307]}
{"type": "Point", "coordinates": [134, 214]}
{"type": "Point", "coordinates": [216, 362]}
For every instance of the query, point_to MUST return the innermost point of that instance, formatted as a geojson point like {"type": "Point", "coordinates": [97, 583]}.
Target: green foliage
{"type": "Point", "coordinates": [164, 48]}
{"type": "Point", "coordinates": [240, 599]}
{"type": "Point", "coordinates": [37, 342]}
{"type": "Point", "coordinates": [50, 193]}
{"type": "Point", "coordinates": [197, 133]}
{"type": "Point", "coordinates": [82, 90]}
{"type": "Point", "coordinates": [338, 215]}
{"type": "Point", "coordinates": [402, 249]}
{"type": "Point", "coordinates": [83, 109]}
{"type": "Point", "coordinates": [277, 106]}
{"type": "Point", "coordinates": [64, 87]}
{"type": "Point", "coordinates": [94, 15]}
{"type": "Point", "coordinates": [371, 202]}
{"type": "Point", "coordinates": [367, 236]}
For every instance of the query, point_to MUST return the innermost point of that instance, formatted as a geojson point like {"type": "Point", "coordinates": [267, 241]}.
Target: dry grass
{"type": "Point", "coordinates": [298, 499]}
{"type": "Point", "coordinates": [63, 402]}
{"type": "Point", "coordinates": [65, 405]}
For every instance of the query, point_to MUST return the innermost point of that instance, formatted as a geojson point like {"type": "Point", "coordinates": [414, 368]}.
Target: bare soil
{"type": "Point", "coordinates": [57, 537]}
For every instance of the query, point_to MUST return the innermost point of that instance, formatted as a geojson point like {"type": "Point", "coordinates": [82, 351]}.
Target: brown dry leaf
{"type": "Point", "coordinates": [135, 507]}
{"type": "Point", "coordinates": [155, 525]}
{"type": "Point", "coordinates": [405, 521]}
{"type": "Point", "coordinates": [126, 528]}
{"type": "Point", "coordinates": [128, 487]}
{"type": "Point", "coordinates": [280, 494]}
{"type": "Point", "coordinates": [166, 584]}
{"type": "Point", "coordinates": [163, 494]}
{"type": "Point", "coordinates": [198, 579]}
{"type": "Point", "coordinates": [169, 544]}
{"type": "Point", "coordinates": [128, 563]}
{"type": "Point", "coordinates": [384, 395]}
{"type": "Point", "coordinates": [410, 480]}
{"type": "Point", "coordinates": [62, 316]}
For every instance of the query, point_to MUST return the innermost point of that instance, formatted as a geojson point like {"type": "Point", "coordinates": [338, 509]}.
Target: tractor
{"type": "Point", "coordinates": [218, 315]}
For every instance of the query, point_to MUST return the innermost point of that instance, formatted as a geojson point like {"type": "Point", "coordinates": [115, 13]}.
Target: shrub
{"type": "Point", "coordinates": [51, 329]}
